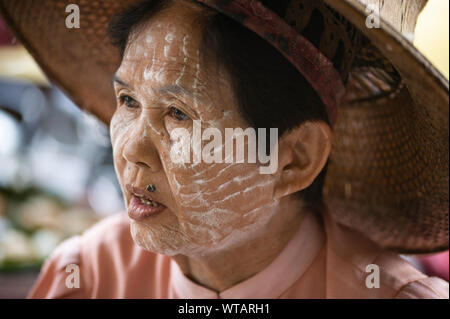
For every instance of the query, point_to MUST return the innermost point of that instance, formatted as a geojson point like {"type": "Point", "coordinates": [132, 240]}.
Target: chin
{"type": "Point", "coordinates": [159, 241]}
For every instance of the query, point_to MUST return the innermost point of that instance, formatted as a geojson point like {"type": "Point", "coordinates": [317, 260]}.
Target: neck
{"type": "Point", "coordinates": [224, 269]}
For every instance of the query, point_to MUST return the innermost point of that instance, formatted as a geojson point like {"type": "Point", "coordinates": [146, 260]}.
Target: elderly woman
{"type": "Point", "coordinates": [206, 225]}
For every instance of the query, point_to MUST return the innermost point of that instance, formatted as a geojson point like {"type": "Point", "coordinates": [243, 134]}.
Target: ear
{"type": "Point", "coordinates": [303, 152]}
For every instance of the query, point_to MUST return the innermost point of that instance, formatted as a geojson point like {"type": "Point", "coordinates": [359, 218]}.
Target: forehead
{"type": "Point", "coordinates": [170, 36]}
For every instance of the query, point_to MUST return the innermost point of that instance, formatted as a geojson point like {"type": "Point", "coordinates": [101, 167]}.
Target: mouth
{"type": "Point", "coordinates": [142, 205]}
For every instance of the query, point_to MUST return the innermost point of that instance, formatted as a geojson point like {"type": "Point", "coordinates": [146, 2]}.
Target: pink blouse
{"type": "Point", "coordinates": [321, 260]}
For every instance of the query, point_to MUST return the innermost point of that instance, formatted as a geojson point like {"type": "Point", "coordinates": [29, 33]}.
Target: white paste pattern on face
{"type": "Point", "coordinates": [205, 221]}
{"type": "Point", "coordinates": [150, 74]}
{"type": "Point", "coordinates": [168, 47]}
{"type": "Point", "coordinates": [185, 53]}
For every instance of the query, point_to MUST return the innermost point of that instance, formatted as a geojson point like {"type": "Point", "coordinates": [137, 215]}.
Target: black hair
{"type": "Point", "coordinates": [270, 91]}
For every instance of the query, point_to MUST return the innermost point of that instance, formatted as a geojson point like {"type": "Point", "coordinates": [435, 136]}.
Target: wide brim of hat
{"type": "Point", "coordinates": [388, 171]}
{"type": "Point", "coordinates": [399, 197]}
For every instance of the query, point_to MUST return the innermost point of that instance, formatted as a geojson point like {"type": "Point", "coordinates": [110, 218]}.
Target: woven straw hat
{"type": "Point", "coordinates": [388, 174]}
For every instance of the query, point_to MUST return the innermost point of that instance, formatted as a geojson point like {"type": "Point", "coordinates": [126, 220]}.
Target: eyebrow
{"type": "Point", "coordinates": [177, 89]}
{"type": "Point", "coordinates": [115, 78]}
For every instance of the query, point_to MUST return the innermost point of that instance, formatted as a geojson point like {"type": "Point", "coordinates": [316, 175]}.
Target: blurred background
{"type": "Point", "coordinates": [56, 169]}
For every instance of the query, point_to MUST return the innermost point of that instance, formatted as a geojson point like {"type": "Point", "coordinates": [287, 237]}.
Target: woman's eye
{"type": "Point", "coordinates": [128, 101]}
{"type": "Point", "coordinates": [177, 114]}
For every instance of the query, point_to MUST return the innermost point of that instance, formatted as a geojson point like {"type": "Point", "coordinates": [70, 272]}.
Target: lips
{"type": "Point", "coordinates": [142, 205]}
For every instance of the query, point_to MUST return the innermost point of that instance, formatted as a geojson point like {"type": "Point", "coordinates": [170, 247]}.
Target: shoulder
{"type": "Point", "coordinates": [406, 281]}
{"type": "Point", "coordinates": [58, 277]}
{"type": "Point", "coordinates": [106, 238]}
{"type": "Point", "coordinates": [100, 257]}
{"type": "Point", "coordinates": [426, 288]}
{"type": "Point", "coordinates": [358, 268]}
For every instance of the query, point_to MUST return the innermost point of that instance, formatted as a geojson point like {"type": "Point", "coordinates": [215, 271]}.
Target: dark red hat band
{"type": "Point", "coordinates": [309, 61]}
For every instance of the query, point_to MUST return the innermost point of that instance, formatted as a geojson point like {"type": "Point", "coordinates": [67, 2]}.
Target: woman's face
{"type": "Point", "coordinates": [163, 84]}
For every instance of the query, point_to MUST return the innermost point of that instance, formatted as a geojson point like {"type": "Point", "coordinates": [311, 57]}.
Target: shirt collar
{"type": "Point", "coordinates": [272, 281]}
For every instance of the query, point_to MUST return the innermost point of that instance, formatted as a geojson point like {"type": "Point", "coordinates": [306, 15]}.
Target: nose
{"type": "Point", "coordinates": [140, 150]}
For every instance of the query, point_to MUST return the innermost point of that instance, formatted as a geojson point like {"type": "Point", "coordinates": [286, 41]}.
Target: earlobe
{"type": "Point", "coordinates": [303, 152]}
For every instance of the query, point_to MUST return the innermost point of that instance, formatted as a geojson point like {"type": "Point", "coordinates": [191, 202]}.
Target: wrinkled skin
{"type": "Point", "coordinates": [215, 212]}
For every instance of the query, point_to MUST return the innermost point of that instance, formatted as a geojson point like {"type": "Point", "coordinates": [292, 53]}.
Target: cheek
{"type": "Point", "coordinates": [120, 128]}
{"type": "Point", "coordinates": [216, 194]}
{"type": "Point", "coordinates": [221, 198]}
